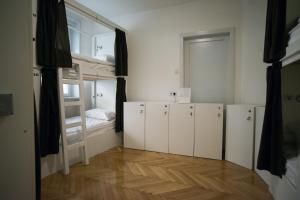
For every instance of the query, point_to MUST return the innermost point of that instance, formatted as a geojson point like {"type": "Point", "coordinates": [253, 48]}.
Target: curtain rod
{"type": "Point", "coordinates": [93, 15]}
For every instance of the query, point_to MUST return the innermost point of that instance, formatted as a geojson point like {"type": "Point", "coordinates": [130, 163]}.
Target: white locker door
{"type": "Point", "coordinates": [134, 125]}
{"type": "Point", "coordinates": [240, 135]}
{"type": "Point", "coordinates": [208, 130]}
{"type": "Point", "coordinates": [157, 127]}
{"type": "Point", "coordinates": [181, 133]}
{"type": "Point", "coordinates": [259, 119]}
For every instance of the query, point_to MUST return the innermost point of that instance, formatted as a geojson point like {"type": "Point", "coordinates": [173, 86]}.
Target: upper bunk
{"type": "Point", "coordinates": [92, 45]}
{"type": "Point", "coordinates": [91, 69]}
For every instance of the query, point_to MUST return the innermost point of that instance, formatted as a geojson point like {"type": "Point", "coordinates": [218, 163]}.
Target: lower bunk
{"type": "Point", "coordinates": [98, 141]}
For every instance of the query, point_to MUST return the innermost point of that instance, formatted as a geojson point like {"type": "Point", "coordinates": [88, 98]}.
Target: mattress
{"type": "Point", "coordinates": [74, 133]}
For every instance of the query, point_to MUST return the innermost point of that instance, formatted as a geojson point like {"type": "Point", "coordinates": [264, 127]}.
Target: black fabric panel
{"type": "Point", "coordinates": [275, 35]}
{"type": "Point", "coordinates": [49, 113]}
{"type": "Point", "coordinates": [271, 155]}
{"type": "Point", "coordinates": [121, 54]}
{"type": "Point", "coordinates": [62, 43]}
{"type": "Point", "coordinates": [120, 99]}
{"type": "Point", "coordinates": [46, 33]}
{"type": "Point", "coordinates": [53, 51]}
{"type": "Point", "coordinates": [37, 155]}
{"type": "Point", "coordinates": [52, 37]}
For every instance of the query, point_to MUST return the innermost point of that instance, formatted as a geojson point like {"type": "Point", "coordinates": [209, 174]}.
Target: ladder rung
{"type": "Point", "coordinates": [72, 103]}
{"type": "Point", "coordinates": [76, 145]}
{"type": "Point", "coordinates": [71, 125]}
{"type": "Point", "coordinates": [71, 81]}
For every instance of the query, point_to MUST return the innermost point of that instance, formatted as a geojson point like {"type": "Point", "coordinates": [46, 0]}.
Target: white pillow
{"type": "Point", "coordinates": [101, 114]}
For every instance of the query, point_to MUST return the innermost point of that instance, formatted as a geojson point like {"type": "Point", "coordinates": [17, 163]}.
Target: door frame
{"type": "Point", "coordinates": [205, 35]}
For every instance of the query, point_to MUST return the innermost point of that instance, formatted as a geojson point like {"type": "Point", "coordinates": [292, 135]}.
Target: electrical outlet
{"type": "Point", "coordinates": [172, 94]}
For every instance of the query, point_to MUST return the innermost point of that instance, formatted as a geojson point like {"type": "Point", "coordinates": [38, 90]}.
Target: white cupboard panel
{"type": "Point", "coordinates": [157, 127]}
{"type": "Point", "coordinates": [181, 133]}
{"type": "Point", "coordinates": [134, 125]}
{"type": "Point", "coordinates": [240, 135]}
{"type": "Point", "coordinates": [208, 131]}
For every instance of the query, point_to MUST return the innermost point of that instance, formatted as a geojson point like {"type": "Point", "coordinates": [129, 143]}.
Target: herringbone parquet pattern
{"type": "Point", "coordinates": [137, 175]}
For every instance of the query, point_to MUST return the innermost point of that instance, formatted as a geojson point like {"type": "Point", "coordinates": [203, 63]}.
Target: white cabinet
{"type": "Point", "coordinates": [134, 125]}
{"type": "Point", "coordinates": [157, 127]}
{"type": "Point", "coordinates": [240, 135]}
{"type": "Point", "coordinates": [208, 131]}
{"type": "Point", "coordinates": [184, 129]}
{"type": "Point", "coordinates": [181, 133]}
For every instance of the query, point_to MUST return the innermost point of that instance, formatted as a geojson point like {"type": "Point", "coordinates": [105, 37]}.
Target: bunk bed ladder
{"type": "Point", "coordinates": [63, 104]}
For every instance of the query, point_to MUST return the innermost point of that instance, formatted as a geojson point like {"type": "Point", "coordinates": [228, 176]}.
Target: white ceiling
{"type": "Point", "coordinates": [114, 8]}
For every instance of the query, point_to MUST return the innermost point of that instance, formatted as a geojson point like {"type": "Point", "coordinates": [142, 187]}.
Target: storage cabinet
{"type": "Point", "coordinates": [181, 133]}
{"type": "Point", "coordinates": [208, 131]}
{"type": "Point", "coordinates": [157, 127]}
{"type": "Point", "coordinates": [240, 135]}
{"type": "Point", "coordinates": [184, 129]}
{"type": "Point", "coordinates": [134, 125]}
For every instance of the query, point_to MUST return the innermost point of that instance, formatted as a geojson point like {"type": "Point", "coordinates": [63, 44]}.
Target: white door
{"type": "Point", "coordinates": [181, 132]}
{"type": "Point", "coordinates": [157, 127]}
{"type": "Point", "coordinates": [240, 135]}
{"type": "Point", "coordinates": [134, 125]}
{"type": "Point", "coordinates": [207, 69]}
{"type": "Point", "coordinates": [17, 129]}
{"type": "Point", "coordinates": [208, 130]}
{"type": "Point", "coordinates": [259, 119]}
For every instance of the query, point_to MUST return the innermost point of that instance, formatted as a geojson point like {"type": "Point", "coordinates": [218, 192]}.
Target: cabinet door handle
{"type": "Point", "coordinates": [249, 118]}
{"type": "Point", "coordinates": [191, 113]}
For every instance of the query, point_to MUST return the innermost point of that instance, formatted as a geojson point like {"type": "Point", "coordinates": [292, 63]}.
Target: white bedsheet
{"type": "Point", "coordinates": [73, 134]}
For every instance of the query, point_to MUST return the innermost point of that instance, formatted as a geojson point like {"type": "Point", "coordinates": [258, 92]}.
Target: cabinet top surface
{"type": "Point", "coordinates": [167, 102]}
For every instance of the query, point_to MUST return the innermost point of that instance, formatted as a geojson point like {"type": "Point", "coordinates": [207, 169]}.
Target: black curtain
{"type": "Point", "coordinates": [120, 99]}
{"type": "Point", "coordinates": [121, 69]}
{"type": "Point", "coordinates": [121, 54]}
{"type": "Point", "coordinates": [271, 155]}
{"type": "Point", "coordinates": [49, 113]}
{"type": "Point", "coordinates": [62, 43]}
{"type": "Point", "coordinates": [52, 51]}
{"type": "Point", "coordinates": [52, 39]}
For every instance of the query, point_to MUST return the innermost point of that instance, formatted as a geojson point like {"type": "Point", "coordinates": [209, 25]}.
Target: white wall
{"type": "Point", "coordinates": [154, 42]}
{"type": "Point", "coordinates": [253, 70]}
{"type": "Point", "coordinates": [17, 131]}
{"type": "Point", "coordinates": [154, 46]}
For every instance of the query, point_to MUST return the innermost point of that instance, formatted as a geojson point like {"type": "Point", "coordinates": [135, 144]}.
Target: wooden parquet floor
{"type": "Point", "coordinates": [125, 174]}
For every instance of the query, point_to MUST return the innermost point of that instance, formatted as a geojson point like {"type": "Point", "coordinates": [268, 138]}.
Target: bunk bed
{"type": "Point", "coordinates": [81, 130]}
